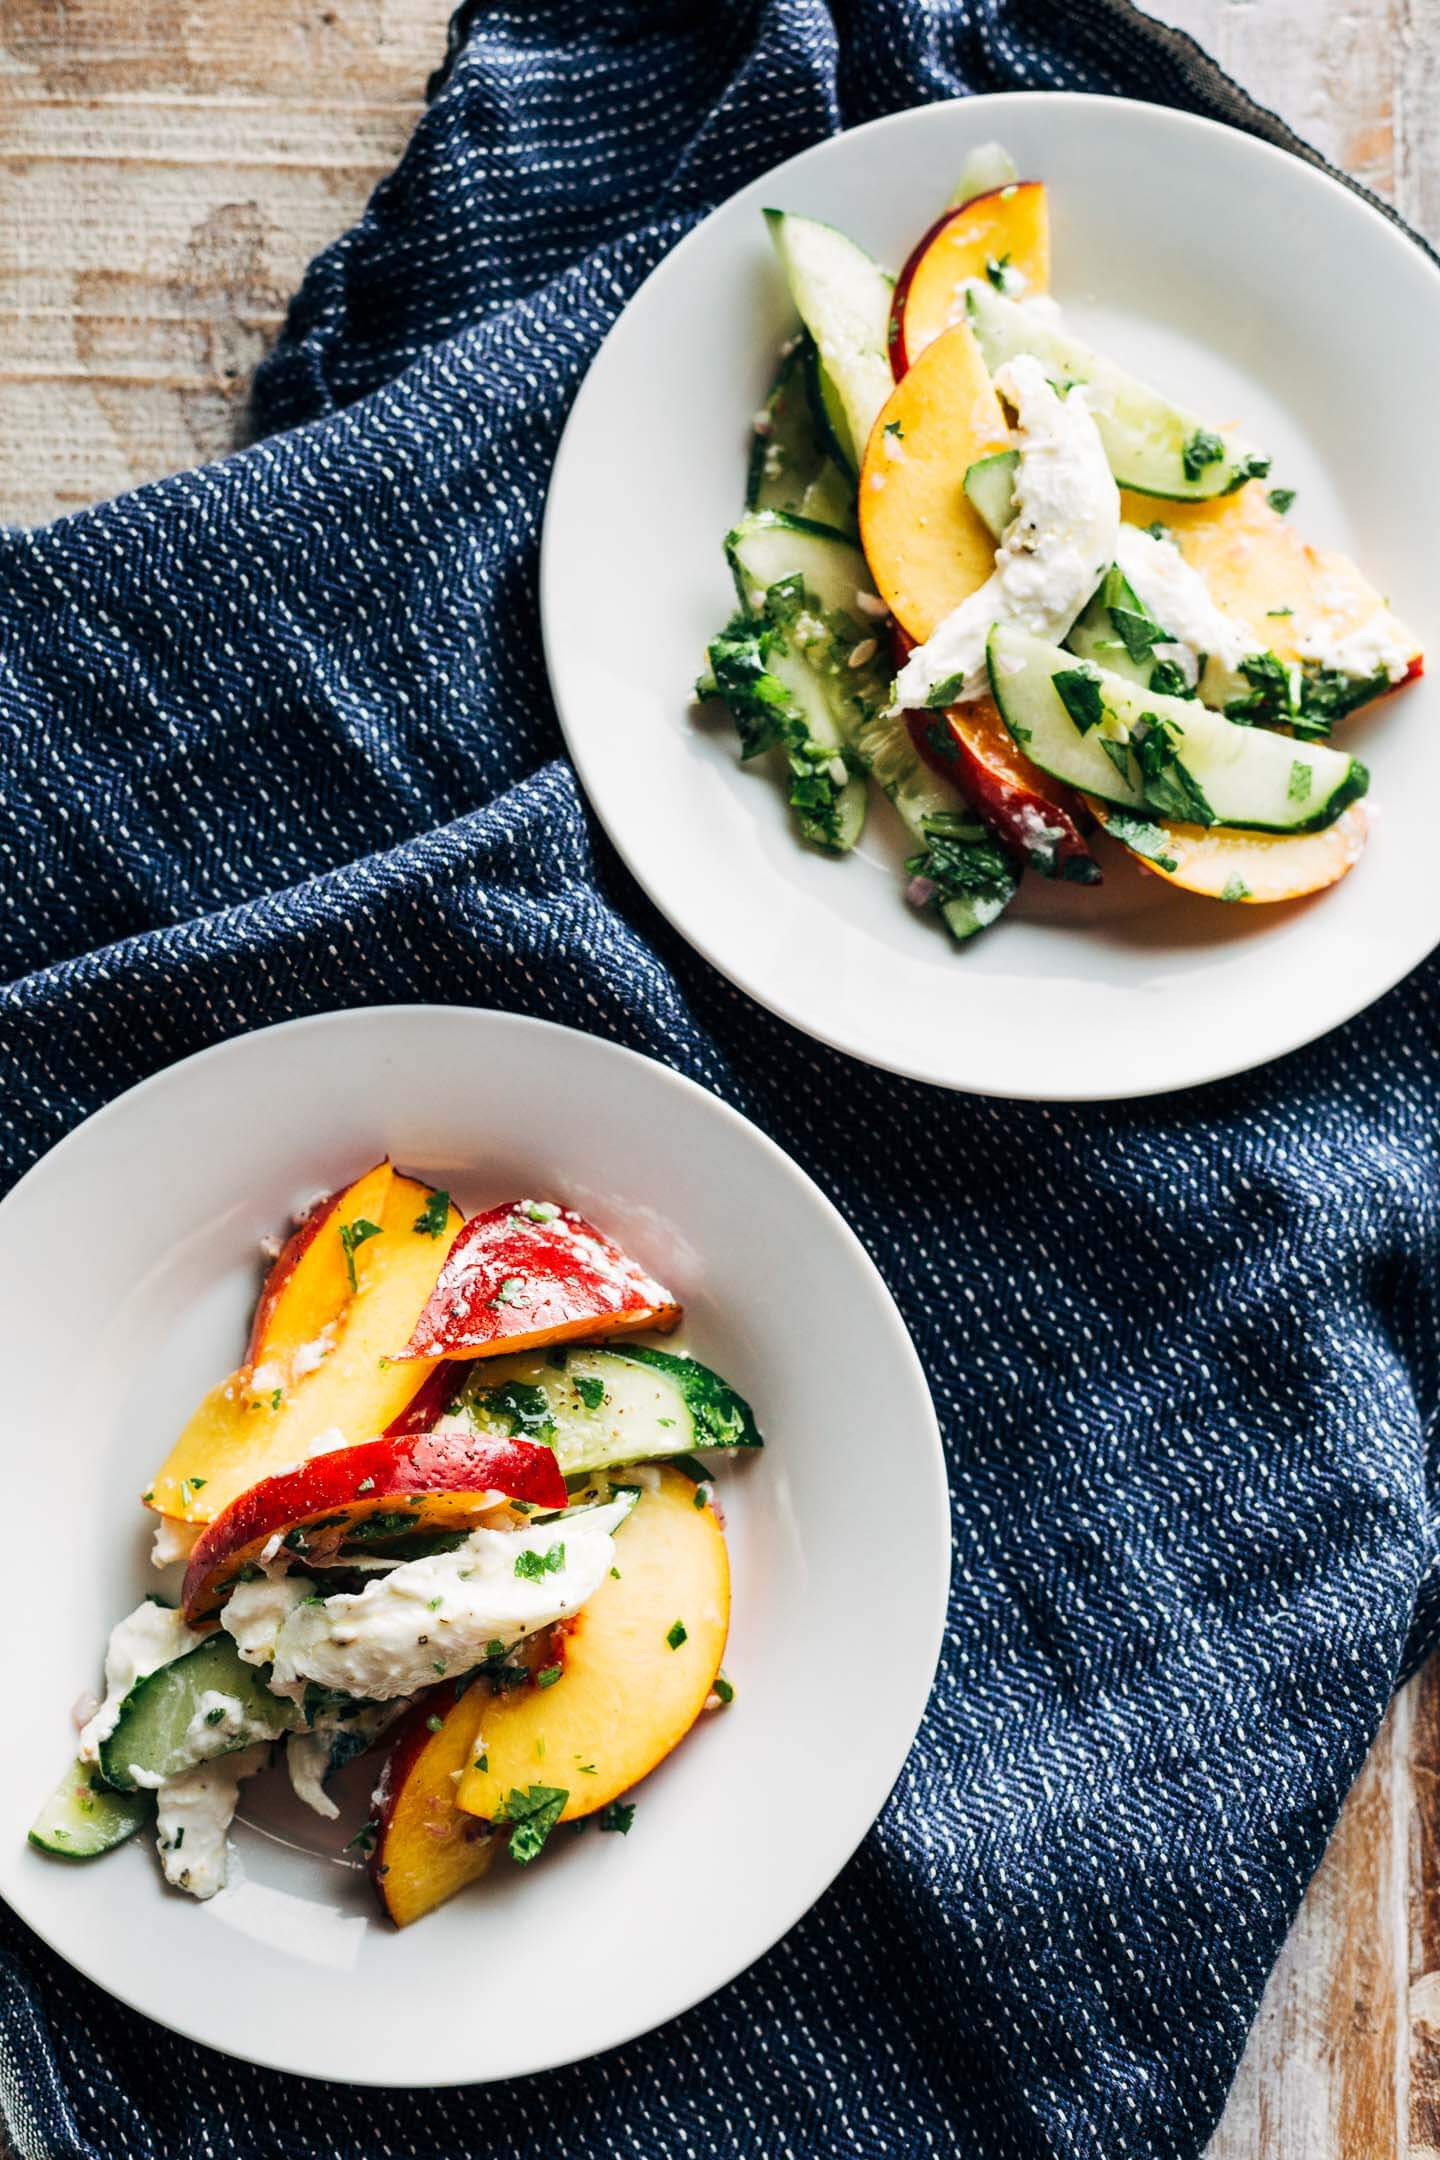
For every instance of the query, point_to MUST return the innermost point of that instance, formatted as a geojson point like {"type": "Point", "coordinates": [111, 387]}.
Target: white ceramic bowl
{"type": "Point", "coordinates": [127, 1271]}
{"type": "Point", "coordinates": [1260, 291]}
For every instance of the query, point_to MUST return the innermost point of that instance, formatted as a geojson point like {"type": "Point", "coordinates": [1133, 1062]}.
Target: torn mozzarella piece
{"type": "Point", "coordinates": [1381, 645]}
{"type": "Point", "coordinates": [442, 1614]}
{"type": "Point", "coordinates": [151, 1636]}
{"type": "Point", "coordinates": [193, 1814]}
{"type": "Point", "coordinates": [1055, 550]}
{"type": "Point", "coordinates": [174, 1541]}
{"type": "Point", "coordinates": [1178, 598]}
{"type": "Point", "coordinates": [307, 1758]}
{"type": "Point", "coordinates": [256, 1611]}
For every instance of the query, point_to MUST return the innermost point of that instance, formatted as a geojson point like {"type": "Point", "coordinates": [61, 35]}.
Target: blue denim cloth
{"type": "Point", "coordinates": [276, 738]}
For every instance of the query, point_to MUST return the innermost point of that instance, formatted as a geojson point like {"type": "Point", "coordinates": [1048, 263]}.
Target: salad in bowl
{"type": "Point", "coordinates": [456, 1511]}
{"type": "Point", "coordinates": [1041, 605]}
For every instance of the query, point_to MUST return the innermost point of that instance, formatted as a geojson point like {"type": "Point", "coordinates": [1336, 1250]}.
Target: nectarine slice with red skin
{"type": "Point", "coordinates": [441, 1481]}
{"type": "Point", "coordinates": [971, 746]}
{"type": "Point", "coordinates": [926, 545]}
{"type": "Point", "coordinates": [513, 1282]}
{"type": "Point", "coordinates": [308, 1286]}
{"type": "Point", "coordinates": [239, 1435]}
{"type": "Point", "coordinates": [1254, 868]}
{"type": "Point", "coordinates": [1028, 812]}
{"type": "Point", "coordinates": [426, 1848]}
{"type": "Point", "coordinates": [1009, 225]}
{"type": "Point", "coordinates": [625, 1696]}
{"type": "Point", "coordinates": [440, 1387]}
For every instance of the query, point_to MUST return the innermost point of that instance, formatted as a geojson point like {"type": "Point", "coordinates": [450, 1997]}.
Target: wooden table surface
{"type": "Point", "coordinates": [169, 168]}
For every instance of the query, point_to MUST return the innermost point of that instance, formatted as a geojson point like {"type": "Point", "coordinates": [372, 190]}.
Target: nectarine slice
{"type": "Point", "coordinates": [636, 1665]}
{"type": "Point", "coordinates": [431, 1481]}
{"type": "Point", "coordinates": [1004, 235]}
{"type": "Point", "coordinates": [309, 1285]}
{"type": "Point", "coordinates": [1259, 568]}
{"type": "Point", "coordinates": [239, 1435]}
{"type": "Point", "coordinates": [1250, 867]}
{"type": "Point", "coordinates": [927, 546]}
{"type": "Point", "coordinates": [1033, 814]}
{"type": "Point", "coordinates": [425, 1848]}
{"type": "Point", "coordinates": [530, 1273]}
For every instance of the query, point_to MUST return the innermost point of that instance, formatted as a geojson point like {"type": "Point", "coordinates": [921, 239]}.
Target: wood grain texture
{"type": "Point", "coordinates": [169, 167]}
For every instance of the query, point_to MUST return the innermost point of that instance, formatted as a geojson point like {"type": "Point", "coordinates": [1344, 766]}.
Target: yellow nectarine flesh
{"type": "Point", "coordinates": [625, 1696]}
{"type": "Point", "coordinates": [926, 546]}
{"type": "Point", "coordinates": [426, 1849]}
{"type": "Point", "coordinates": [1253, 867]}
{"type": "Point", "coordinates": [1008, 229]}
{"type": "Point", "coordinates": [1259, 569]}
{"type": "Point", "coordinates": [255, 1425]}
{"type": "Point", "coordinates": [310, 1282]}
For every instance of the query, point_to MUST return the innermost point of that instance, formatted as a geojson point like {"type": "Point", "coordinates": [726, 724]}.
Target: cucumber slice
{"type": "Point", "coordinates": [153, 1734]}
{"type": "Point", "coordinates": [600, 1408]}
{"type": "Point", "coordinates": [1167, 756]}
{"type": "Point", "coordinates": [974, 880]}
{"type": "Point", "coordinates": [990, 485]}
{"type": "Point", "coordinates": [989, 166]}
{"type": "Point", "coordinates": [843, 298]}
{"type": "Point", "coordinates": [81, 1819]}
{"type": "Point", "coordinates": [1154, 447]}
{"type": "Point", "coordinates": [769, 666]}
{"type": "Point", "coordinates": [791, 467]}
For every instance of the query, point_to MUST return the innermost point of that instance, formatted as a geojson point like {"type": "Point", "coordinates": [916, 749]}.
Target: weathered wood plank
{"type": "Point", "coordinates": [169, 170]}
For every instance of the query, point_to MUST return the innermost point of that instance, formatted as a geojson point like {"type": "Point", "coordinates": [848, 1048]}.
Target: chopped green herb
{"type": "Point", "coordinates": [1252, 466]}
{"type": "Point", "coordinates": [548, 1675]}
{"type": "Point", "coordinates": [616, 1573]}
{"type": "Point", "coordinates": [590, 1389]}
{"type": "Point", "coordinates": [539, 1211]}
{"type": "Point", "coordinates": [213, 1717]}
{"type": "Point", "coordinates": [678, 1634]}
{"type": "Point", "coordinates": [1135, 626]}
{"type": "Point", "coordinates": [1281, 499]}
{"type": "Point", "coordinates": [533, 1566]}
{"type": "Point", "coordinates": [1142, 838]}
{"type": "Point", "coordinates": [434, 1723]}
{"type": "Point", "coordinates": [1279, 611]}
{"type": "Point", "coordinates": [367, 1484]}
{"type": "Point", "coordinates": [534, 1814]}
{"type": "Point", "coordinates": [1119, 756]}
{"type": "Point", "coordinates": [1235, 888]}
{"type": "Point", "coordinates": [352, 1236]}
{"type": "Point", "coordinates": [893, 427]}
{"type": "Point", "coordinates": [1078, 690]}
{"type": "Point", "coordinates": [995, 268]}
{"type": "Point", "coordinates": [1168, 679]}
{"type": "Point", "coordinates": [506, 1294]}
{"type": "Point", "coordinates": [1201, 450]}
{"type": "Point", "coordinates": [702, 1496]}
{"type": "Point", "coordinates": [365, 1837]}
{"type": "Point", "coordinates": [946, 691]}
{"type": "Point", "coordinates": [617, 1816]}
{"type": "Point", "coordinates": [724, 1688]}
{"type": "Point", "coordinates": [433, 1604]}
{"type": "Point", "coordinates": [433, 1217]}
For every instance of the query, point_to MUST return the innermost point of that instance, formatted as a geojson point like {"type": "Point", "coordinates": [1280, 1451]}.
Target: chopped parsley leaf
{"type": "Point", "coordinates": [1280, 499]}
{"type": "Point", "coordinates": [433, 1723]}
{"type": "Point", "coordinates": [724, 1688]}
{"type": "Point", "coordinates": [534, 1814]}
{"type": "Point", "coordinates": [590, 1389]}
{"type": "Point", "coordinates": [893, 427]}
{"type": "Point", "coordinates": [995, 268]}
{"type": "Point", "coordinates": [1142, 838]}
{"type": "Point", "coordinates": [1235, 888]}
{"type": "Point", "coordinates": [678, 1634]}
{"type": "Point", "coordinates": [364, 1838]}
{"type": "Point", "coordinates": [548, 1675]}
{"type": "Point", "coordinates": [1201, 450]}
{"type": "Point", "coordinates": [352, 1236]}
{"type": "Point", "coordinates": [433, 1217]}
{"type": "Point", "coordinates": [1078, 690]}
{"type": "Point", "coordinates": [532, 1566]}
{"type": "Point", "coordinates": [506, 1294]}
{"type": "Point", "coordinates": [617, 1816]}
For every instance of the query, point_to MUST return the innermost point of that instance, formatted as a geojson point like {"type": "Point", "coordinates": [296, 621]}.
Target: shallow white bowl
{"type": "Point", "coordinates": [128, 1267]}
{"type": "Point", "coordinates": [1256, 288]}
